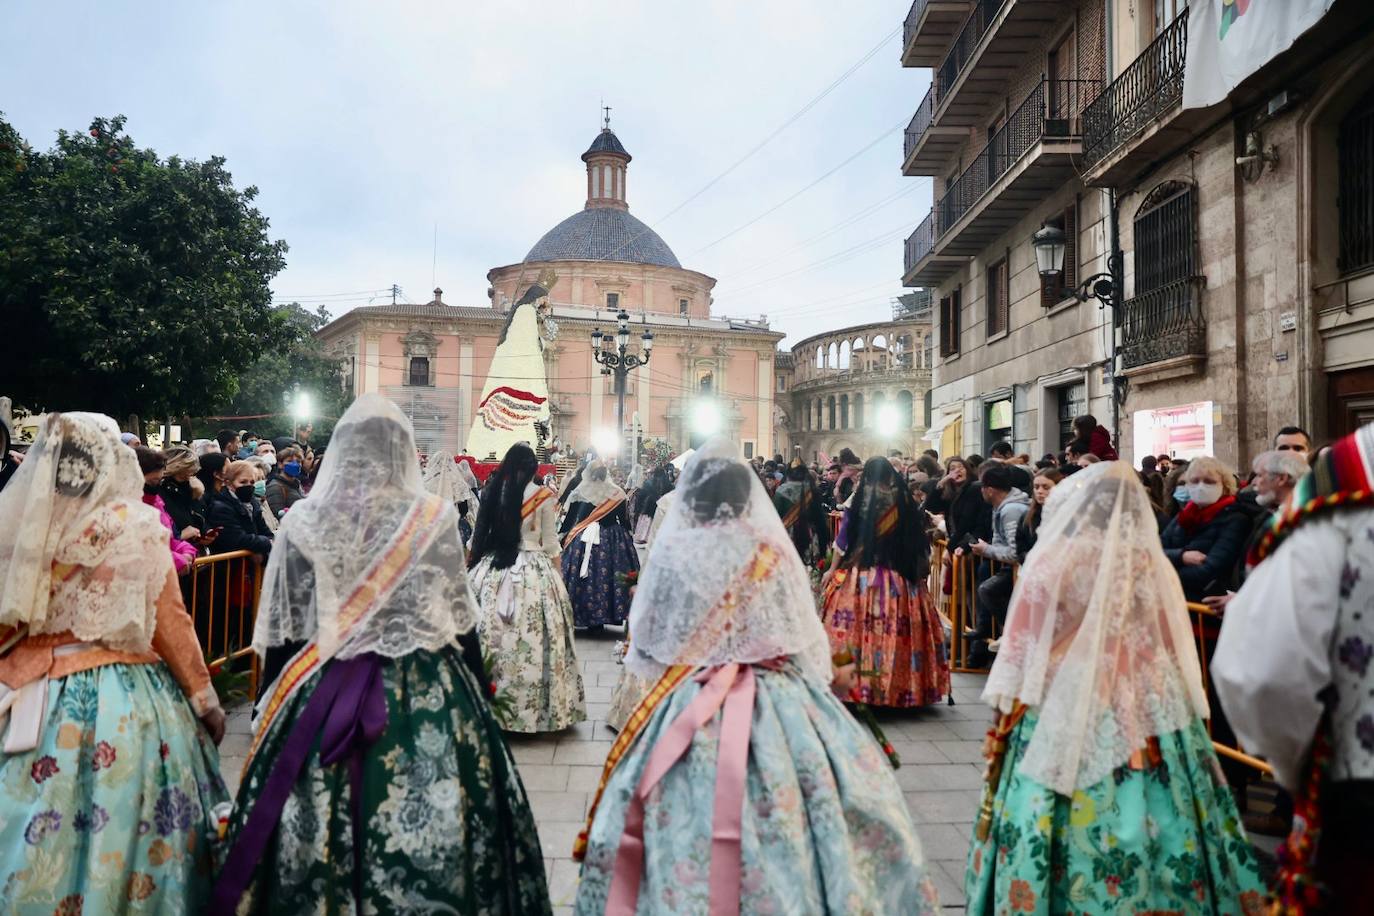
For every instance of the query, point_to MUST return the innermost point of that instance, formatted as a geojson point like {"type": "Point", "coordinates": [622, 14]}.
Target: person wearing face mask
{"type": "Point", "coordinates": [152, 463]}
{"type": "Point", "coordinates": [268, 453]}
{"type": "Point", "coordinates": [234, 511]}
{"type": "Point", "coordinates": [1207, 536]}
{"type": "Point", "coordinates": [283, 488]}
{"type": "Point", "coordinates": [1175, 490]}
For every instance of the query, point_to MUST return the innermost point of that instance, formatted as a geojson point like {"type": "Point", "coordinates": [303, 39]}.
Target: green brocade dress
{"type": "Point", "coordinates": [447, 824]}
{"type": "Point", "coordinates": [1166, 839]}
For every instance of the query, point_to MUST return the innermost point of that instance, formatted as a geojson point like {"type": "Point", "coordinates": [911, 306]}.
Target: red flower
{"type": "Point", "coordinates": [887, 745]}
{"type": "Point", "coordinates": [69, 905]}
{"type": "Point", "coordinates": [44, 768]}
{"type": "Point", "coordinates": [163, 750]}
{"type": "Point", "coordinates": [1022, 898]}
{"type": "Point", "coordinates": [1113, 883]}
{"type": "Point", "coordinates": [491, 689]}
{"type": "Point", "coordinates": [104, 756]}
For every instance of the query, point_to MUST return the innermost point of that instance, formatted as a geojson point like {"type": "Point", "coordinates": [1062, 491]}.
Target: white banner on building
{"type": "Point", "coordinates": [1179, 432]}
{"type": "Point", "coordinates": [1230, 39]}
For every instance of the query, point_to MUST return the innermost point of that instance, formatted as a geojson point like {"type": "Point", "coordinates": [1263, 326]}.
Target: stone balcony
{"type": "Point", "coordinates": [929, 27]}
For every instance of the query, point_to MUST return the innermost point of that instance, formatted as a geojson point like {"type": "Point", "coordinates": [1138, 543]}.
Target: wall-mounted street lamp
{"type": "Point", "coordinates": [1050, 244]}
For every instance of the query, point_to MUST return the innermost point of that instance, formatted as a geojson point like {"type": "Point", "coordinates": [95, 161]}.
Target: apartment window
{"type": "Point", "coordinates": [950, 307]}
{"type": "Point", "coordinates": [1054, 290]}
{"type": "Point", "coordinates": [998, 303]}
{"type": "Point", "coordinates": [682, 306]}
{"type": "Point", "coordinates": [1164, 240]}
{"type": "Point", "coordinates": [1355, 148]}
{"type": "Point", "coordinates": [613, 300]}
{"type": "Point", "coordinates": [1166, 11]}
{"type": "Point", "coordinates": [782, 383]}
{"type": "Point", "coordinates": [419, 371]}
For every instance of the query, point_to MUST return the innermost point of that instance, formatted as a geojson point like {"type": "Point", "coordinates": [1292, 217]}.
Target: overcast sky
{"type": "Point", "coordinates": [365, 124]}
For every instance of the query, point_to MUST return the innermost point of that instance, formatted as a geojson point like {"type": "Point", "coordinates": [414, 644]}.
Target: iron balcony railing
{"type": "Point", "coordinates": [920, 123]}
{"type": "Point", "coordinates": [965, 44]}
{"type": "Point", "coordinates": [1052, 109]}
{"type": "Point", "coordinates": [1149, 88]}
{"type": "Point", "coordinates": [921, 242]}
{"type": "Point", "coordinates": [913, 18]}
{"type": "Point", "coordinates": [1164, 323]}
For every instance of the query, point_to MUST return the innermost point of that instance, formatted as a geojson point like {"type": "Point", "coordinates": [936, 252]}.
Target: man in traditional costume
{"type": "Point", "coordinates": [1293, 671]}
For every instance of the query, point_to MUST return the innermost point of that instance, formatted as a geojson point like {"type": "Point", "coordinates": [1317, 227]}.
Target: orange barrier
{"type": "Point", "coordinates": [960, 606]}
{"type": "Point", "coordinates": [1202, 616]}
{"type": "Point", "coordinates": [221, 594]}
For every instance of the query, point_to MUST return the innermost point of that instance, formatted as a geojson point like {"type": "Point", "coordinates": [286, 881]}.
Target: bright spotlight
{"type": "Point", "coordinates": [303, 406]}
{"type": "Point", "coordinates": [606, 443]}
{"type": "Point", "coordinates": [887, 421]}
{"type": "Point", "coordinates": [706, 418]}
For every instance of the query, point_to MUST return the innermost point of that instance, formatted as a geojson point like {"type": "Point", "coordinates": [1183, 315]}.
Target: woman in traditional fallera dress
{"type": "Point", "coordinates": [107, 781]}
{"type": "Point", "coordinates": [445, 478]}
{"type": "Point", "coordinates": [597, 547]}
{"type": "Point", "coordinates": [525, 618]}
{"type": "Point", "coordinates": [876, 605]}
{"type": "Point", "coordinates": [802, 514]}
{"type": "Point", "coordinates": [1103, 793]}
{"type": "Point", "coordinates": [741, 736]}
{"type": "Point", "coordinates": [378, 779]}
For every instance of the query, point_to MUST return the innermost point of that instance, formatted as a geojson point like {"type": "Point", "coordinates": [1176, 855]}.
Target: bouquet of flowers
{"type": "Point", "coordinates": [862, 711]}
{"type": "Point", "coordinates": [500, 703]}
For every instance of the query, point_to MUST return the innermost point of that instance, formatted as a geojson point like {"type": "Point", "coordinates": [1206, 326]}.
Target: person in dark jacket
{"type": "Point", "coordinates": [1020, 476]}
{"type": "Point", "coordinates": [183, 495]}
{"type": "Point", "coordinates": [233, 510]}
{"type": "Point", "coordinates": [959, 499]}
{"type": "Point", "coordinates": [1207, 536]}
{"type": "Point", "coordinates": [284, 484]}
{"type": "Point", "coordinates": [1095, 434]}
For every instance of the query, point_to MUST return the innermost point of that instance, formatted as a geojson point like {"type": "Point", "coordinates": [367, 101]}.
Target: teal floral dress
{"type": "Point", "coordinates": [446, 825]}
{"type": "Point", "coordinates": [112, 812]}
{"type": "Point", "coordinates": [1163, 839]}
{"type": "Point", "coordinates": [825, 827]}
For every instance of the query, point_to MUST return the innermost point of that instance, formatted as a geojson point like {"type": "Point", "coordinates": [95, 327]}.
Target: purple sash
{"type": "Point", "coordinates": [348, 711]}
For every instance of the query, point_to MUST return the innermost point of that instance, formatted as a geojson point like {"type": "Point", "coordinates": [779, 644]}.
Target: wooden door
{"type": "Point", "coordinates": [1350, 401]}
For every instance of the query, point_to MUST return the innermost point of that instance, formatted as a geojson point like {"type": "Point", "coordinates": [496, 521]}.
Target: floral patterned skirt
{"type": "Point", "coordinates": [111, 813]}
{"type": "Point", "coordinates": [446, 824]}
{"type": "Point", "coordinates": [526, 628]}
{"type": "Point", "coordinates": [629, 692]}
{"type": "Point", "coordinates": [597, 598]}
{"type": "Point", "coordinates": [825, 827]}
{"type": "Point", "coordinates": [891, 627]}
{"type": "Point", "coordinates": [1163, 839]}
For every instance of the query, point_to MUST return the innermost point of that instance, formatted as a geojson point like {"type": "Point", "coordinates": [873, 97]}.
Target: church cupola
{"type": "Point", "coordinates": [606, 162]}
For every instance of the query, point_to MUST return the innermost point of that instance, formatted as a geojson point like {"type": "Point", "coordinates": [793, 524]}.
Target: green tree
{"type": "Point", "coordinates": [129, 283]}
{"type": "Point", "coordinates": [270, 385]}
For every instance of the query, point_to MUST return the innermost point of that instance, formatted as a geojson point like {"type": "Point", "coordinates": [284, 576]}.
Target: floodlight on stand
{"type": "Point", "coordinates": [303, 407]}
{"type": "Point", "coordinates": [606, 443]}
{"type": "Point", "coordinates": [887, 421]}
{"type": "Point", "coordinates": [1049, 243]}
{"type": "Point", "coordinates": [705, 418]}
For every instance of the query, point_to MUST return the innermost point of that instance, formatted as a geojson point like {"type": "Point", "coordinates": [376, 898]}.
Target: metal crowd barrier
{"type": "Point", "coordinates": [1203, 615]}
{"type": "Point", "coordinates": [960, 606]}
{"type": "Point", "coordinates": [221, 592]}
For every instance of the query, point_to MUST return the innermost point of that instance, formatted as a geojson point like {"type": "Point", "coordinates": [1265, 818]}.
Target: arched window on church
{"type": "Point", "coordinates": [820, 358]}
{"type": "Point", "coordinates": [830, 410]}
{"type": "Point", "coordinates": [844, 355]}
{"type": "Point", "coordinates": [904, 409]}
{"type": "Point", "coordinates": [844, 411]}
{"type": "Point", "coordinates": [832, 360]}
{"type": "Point", "coordinates": [878, 399]}
{"type": "Point", "coordinates": [705, 381]}
{"type": "Point", "coordinates": [859, 411]}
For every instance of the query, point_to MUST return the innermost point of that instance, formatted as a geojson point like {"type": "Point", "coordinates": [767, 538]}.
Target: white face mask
{"type": "Point", "coordinates": [269, 457]}
{"type": "Point", "coordinates": [1204, 494]}
{"type": "Point", "coordinates": [1266, 499]}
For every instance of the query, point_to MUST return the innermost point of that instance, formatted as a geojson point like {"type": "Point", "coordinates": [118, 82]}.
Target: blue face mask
{"type": "Point", "coordinates": [260, 488]}
{"type": "Point", "coordinates": [1181, 495]}
{"type": "Point", "coordinates": [291, 469]}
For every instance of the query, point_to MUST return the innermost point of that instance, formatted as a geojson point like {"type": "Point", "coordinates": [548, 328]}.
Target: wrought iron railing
{"type": "Point", "coordinates": [913, 18]}
{"type": "Point", "coordinates": [1052, 109]}
{"type": "Point", "coordinates": [1164, 323]}
{"type": "Point", "coordinates": [1146, 90]}
{"type": "Point", "coordinates": [921, 242]}
{"type": "Point", "coordinates": [920, 123]}
{"type": "Point", "coordinates": [965, 44]}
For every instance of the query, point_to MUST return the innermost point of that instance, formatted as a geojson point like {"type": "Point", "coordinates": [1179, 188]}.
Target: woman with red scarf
{"type": "Point", "coordinates": [1208, 535]}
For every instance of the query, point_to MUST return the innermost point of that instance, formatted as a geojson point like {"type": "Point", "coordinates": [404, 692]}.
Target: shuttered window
{"type": "Point", "coordinates": [1356, 200]}
{"type": "Point", "coordinates": [998, 299]}
{"type": "Point", "coordinates": [949, 324]}
{"type": "Point", "coordinates": [1054, 290]}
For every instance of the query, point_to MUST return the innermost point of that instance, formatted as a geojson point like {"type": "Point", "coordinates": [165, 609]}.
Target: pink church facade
{"type": "Point", "coordinates": [433, 359]}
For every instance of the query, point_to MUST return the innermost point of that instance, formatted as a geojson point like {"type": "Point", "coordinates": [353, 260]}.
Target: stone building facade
{"type": "Point", "coordinates": [862, 387]}
{"type": "Point", "coordinates": [433, 359]}
{"type": "Point", "coordinates": [1245, 273]}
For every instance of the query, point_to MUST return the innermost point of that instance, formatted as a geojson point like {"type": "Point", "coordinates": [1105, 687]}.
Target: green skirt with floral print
{"type": "Point", "coordinates": [111, 813]}
{"type": "Point", "coordinates": [1166, 839]}
{"type": "Point", "coordinates": [446, 823]}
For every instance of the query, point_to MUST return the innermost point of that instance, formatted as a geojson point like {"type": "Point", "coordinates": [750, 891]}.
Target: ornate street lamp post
{"type": "Point", "coordinates": [615, 358]}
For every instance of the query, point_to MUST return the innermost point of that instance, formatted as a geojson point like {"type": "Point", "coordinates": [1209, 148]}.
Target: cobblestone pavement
{"type": "Point", "coordinates": [941, 772]}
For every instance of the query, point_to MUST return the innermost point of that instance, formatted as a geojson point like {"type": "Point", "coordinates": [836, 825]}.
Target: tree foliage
{"type": "Point", "coordinates": [130, 283]}
{"type": "Point", "coordinates": [269, 387]}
